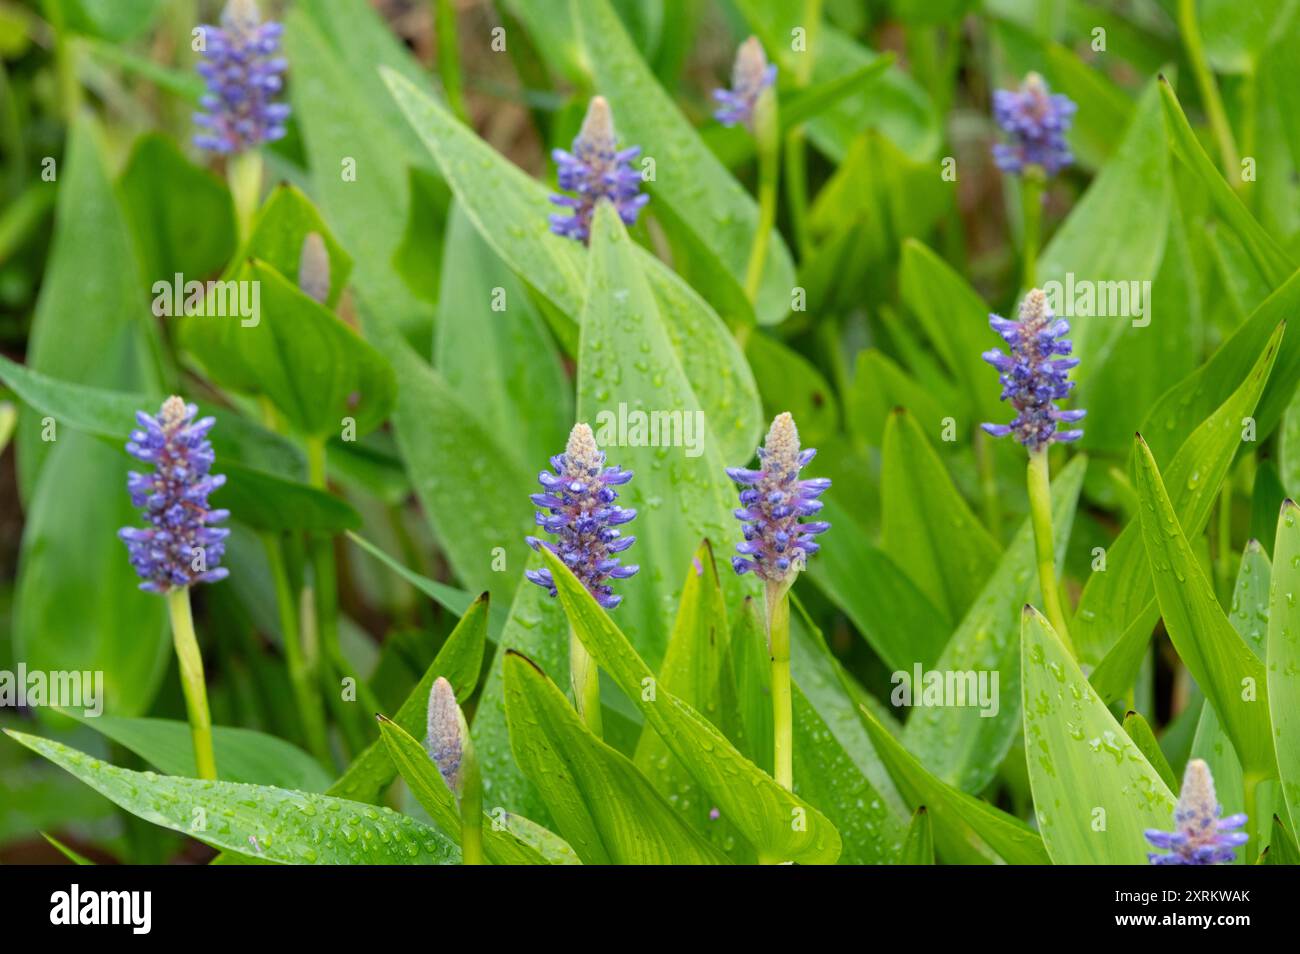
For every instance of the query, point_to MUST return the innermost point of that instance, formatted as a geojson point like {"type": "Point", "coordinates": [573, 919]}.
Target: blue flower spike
{"type": "Point", "coordinates": [596, 169]}
{"type": "Point", "coordinates": [1200, 835]}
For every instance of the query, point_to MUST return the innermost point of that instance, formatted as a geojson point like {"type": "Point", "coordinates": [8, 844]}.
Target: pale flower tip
{"type": "Point", "coordinates": [751, 63]}
{"type": "Point", "coordinates": [1198, 787]}
{"type": "Point", "coordinates": [782, 443]}
{"type": "Point", "coordinates": [173, 411]}
{"type": "Point", "coordinates": [581, 448]}
{"type": "Point", "coordinates": [443, 741]}
{"type": "Point", "coordinates": [598, 125]}
{"type": "Point", "coordinates": [314, 268]}
{"type": "Point", "coordinates": [241, 15]}
{"type": "Point", "coordinates": [1035, 304]}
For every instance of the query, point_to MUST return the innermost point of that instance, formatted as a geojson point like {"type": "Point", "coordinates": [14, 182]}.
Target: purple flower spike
{"type": "Point", "coordinates": [596, 169]}
{"type": "Point", "coordinates": [773, 501]}
{"type": "Point", "coordinates": [1200, 836]}
{"type": "Point", "coordinates": [578, 507]}
{"type": "Point", "coordinates": [1036, 120]}
{"type": "Point", "coordinates": [750, 75]}
{"type": "Point", "coordinates": [178, 548]}
{"type": "Point", "coordinates": [1032, 376]}
{"type": "Point", "coordinates": [243, 76]}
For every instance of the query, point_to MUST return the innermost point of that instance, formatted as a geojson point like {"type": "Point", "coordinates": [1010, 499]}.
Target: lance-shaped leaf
{"type": "Point", "coordinates": [430, 790]}
{"type": "Point", "coordinates": [1227, 671]}
{"type": "Point", "coordinates": [919, 847]}
{"type": "Point", "coordinates": [1284, 655]}
{"type": "Point", "coordinates": [607, 810]}
{"type": "Point", "coordinates": [1094, 791]}
{"type": "Point", "coordinates": [778, 824]}
{"type": "Point", "coordinates": [268, 824]}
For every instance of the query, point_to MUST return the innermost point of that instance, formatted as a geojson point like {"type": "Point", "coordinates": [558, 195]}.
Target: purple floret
{"type": "Point", "coordinates": [596, 169]}
{"type": "Point", "coordinates": [578, 507]}
{"type": "Point", "coordinates": [750, 75]}
{"type": "Point", "coordinates": [1034, 374]}
{"type": "Point", "coordinates": [1036, 121]}
{"type": "Point", "coordinates": [243, 77]}
{"type": "Point", "coordinates": [1200, 836]}
{"type": "Point", "coordinates": [178, 548]}
{"type": "Point", "coordinates": [773, 503]}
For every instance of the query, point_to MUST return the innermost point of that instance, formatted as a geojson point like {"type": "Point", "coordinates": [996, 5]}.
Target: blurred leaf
{"type": "Point", "coordinates": [493, 348]}
{"type": "Point", "coordinates": [602, 805]}
{"type": "Point", "coordinates": [1282, 848]}
{"type": "Point", "coordinates": [965, 828]}
{"type": "Point", "coordinates": [1236, 35]}
{"type": "Point", "coordinates": [1139, 732]}
{"type": "Point", "coordinates": [116, 20]}
{"type": "Point", "coordinates": [1283, 671]}
{"type": "Point", "coordinates": [1217, 657]}
{"type": "Point", "coordinates": [962, 745]}
{"type": "Point", "coordinates": [270, 824]}
{"type": "Point", "coordinates": [459, 662]}
{"type": "Point", "coordinates": [74, 857]}
{"type": "Point", "coordinates": [1083, 769]}
{"type": "Point", "coordinates": [919, 847]}
{"type": "Point", "coordinates": [282, 225]}
{"type": "Point", "coordinates": [750, 799]}
{"type": "Point", "coordinates": [928, 528]}
{"type": "Point", "coordinates": [879, 387]}
{"type": "Point", "coordinates": [242, 754]}
{"type": "Point", "coordinates": [511, 212]}
{"type": "Point", "coordinates": [788, 381]}
{"type": "Point", "coordinates": [431, 791]}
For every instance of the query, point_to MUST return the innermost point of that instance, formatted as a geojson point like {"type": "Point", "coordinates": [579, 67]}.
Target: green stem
{"type": "Point", "coordinates": [1255, 826]}
{"type": "Point", "coordinates": [244, 173]}
{"type": "Point", "coordinates": [778, 643]}
{"type": "Point", "coordinates": [796, 191]}
{"type": "Point", "coordinates": [444, 15]}
{"type": "Point", "coordinates": [1190, 30]}
{"type": "Point", "coordinates": [584, 678]}
{"type": "Point", "coordinates": [767, 138]}
{"type": "Point", "coordinates": [988, 483]}
{"type": "Point", "coordinates": [1031, 195]}
{"type": "Point", "coordinates": [1040, 511]}
{"type": "Point", "coordinates": [471, 804]}
{"type": "Point", "coordinates": [190, 661]}
{"type": "Point", "coordinates": [303, 681]}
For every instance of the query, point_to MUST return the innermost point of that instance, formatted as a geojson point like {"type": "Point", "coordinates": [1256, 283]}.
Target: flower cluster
{"type": "Point", "coordinates": [179, 548]}
{"type": "Point", "coordinates": [596, 169]}
{"type": "Point", "coordinates": [1036, 120]}
{"type": "Point", "coordinates": [243, 75]}
{"type": "Point", "coordinates": [1032, 376]}
{"type": "Point", "coordinates": [750, 75]}
{"type": "Point", "coordinates": [1200, 836]}
{"type": "Point", "coordinates": [774, 500]}
{"type": "Point", "coordinates": [443, 741]}
{"type": "Point", "coordinates": [580, 510]}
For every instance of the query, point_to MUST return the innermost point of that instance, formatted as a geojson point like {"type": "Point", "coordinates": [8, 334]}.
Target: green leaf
{"type": "Point", "coordinates": [965, 828]}
{"type": "Point", "coordinates": [1094, 791]}
{"type": "Point", "coordinates": [933, 535]}
{"type": "Point", "coordinates": [751, 800]}
{"type": "Point", "coordinates": [431, 791]}
{"type": "Point", "coordinates": [242, 754]}
{"type": "Point", "coordinates": [1231, 676]}
{"type": "Point", "coordinates": [1283, 674]}
{"type": "Point", "coordinates": [1139, 732]}
{"type": "Point", "coordinates": [1282, 848]}
{"type": "Point", "coordinates": [626, 366]}
{"type": "Point", "coordinates": [1120, 599]}
{"type": "Point", "coordinates": [492, 347]}
{"type": "Point", "coordinates": [266, 823]}
{"type": "Point", "coordinates": [74, 857]}
{"type": "Point", "coordinates": [962, 745]}
{"type": "Point", "coordinates": [790, 382]}
{"type": "Point", "coordinates": [459, 662]}
{"type": "Point", "coordinates": [282, 226]}
{"type": "Point", "coordinates": [690, 184]}
{"type": "Point", "coordinates": [1271, 260]}
{"type": "Point", "coordinates": [510, 211]}
{"type": "Point", "coordinates": [602, 805]}
{"type": "Point", "coordinates": [919, 847]}
{"type": "Point", "coordinates": [879, 386]}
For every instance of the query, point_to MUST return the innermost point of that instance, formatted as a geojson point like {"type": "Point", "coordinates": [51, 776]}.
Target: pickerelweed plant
{"type": "Point", "coordinates": [1034, 377]}
{"type": "Point", "coordinates": [578, 507]}
{"type": "Point", "coordinates": [777, 544]}
{"type": "Point", "coordinates": [243, 75]}
{"type": "Point", "coordinates": [451, 748]}
{"type": "Point", "coordinates": [1035, 120]}
{"type": "Point", "coordinates": [180, 547]}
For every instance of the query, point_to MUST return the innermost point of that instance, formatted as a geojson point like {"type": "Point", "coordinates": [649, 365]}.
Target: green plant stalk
{"type": "Point", "coordinates": [1255, 826]}
{"type": "Point", "coordinates": [471, 802]}
{"type": "Point", "coordinates": [1031, 197]}
{"type": "Point", "coordinates": [988, 483]}
{"type": "Point", "coordinates": [584, 679]}
{"type": "Point", "coordinates": [1040, 512]}
{"type": "Point", "coordinates": [444, 16]}
{"type": "Point", "coordinates": [1190, 30]}
{"type": "Point", "coordinates": [796, 191]}
{"type": "Point", "coordinates": [302, 679]}
{"type": "Point", "coordinates": [244, 173]}
{"type": "Point", "coordinates": [190, 662]}
{"type": "Point", "coordinates": [778, 646]}
{"type": "Point", "coordinates": [767, 138]}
